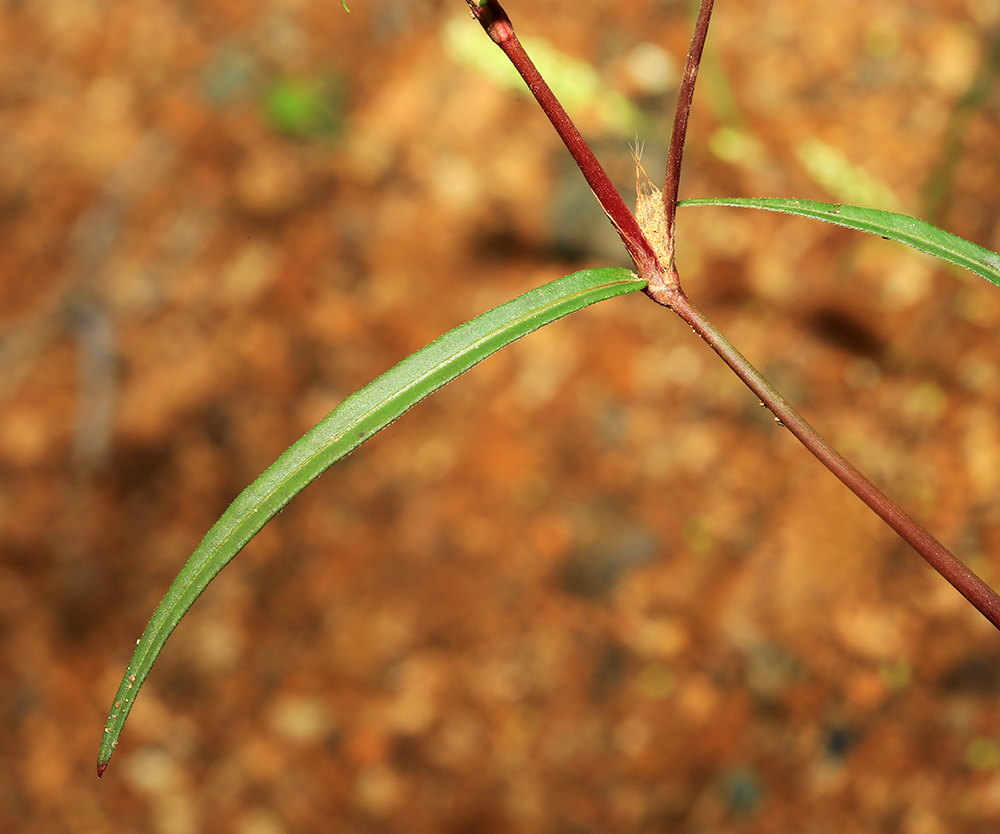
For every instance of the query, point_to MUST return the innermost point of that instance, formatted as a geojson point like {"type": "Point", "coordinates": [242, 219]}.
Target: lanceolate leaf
{"type": "Point", "coordinates": [909, 230]}
{"type": "Point", "coordinates": [349, 425]}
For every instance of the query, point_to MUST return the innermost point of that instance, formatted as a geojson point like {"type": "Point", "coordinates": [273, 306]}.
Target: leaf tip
{"type": "Point", "coordinates": [101, 767]}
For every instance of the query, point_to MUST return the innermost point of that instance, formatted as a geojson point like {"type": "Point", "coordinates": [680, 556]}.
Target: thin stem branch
{"type": "Point", "coordinates": [497, 25]}
{"type": "Point", "coordinates": [981, 595]}
{"type": "Point", "coordinates": [678, 135]}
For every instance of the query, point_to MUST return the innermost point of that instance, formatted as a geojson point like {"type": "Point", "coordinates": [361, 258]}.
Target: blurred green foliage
{"type": "Point", "coordinates": [304, 108]}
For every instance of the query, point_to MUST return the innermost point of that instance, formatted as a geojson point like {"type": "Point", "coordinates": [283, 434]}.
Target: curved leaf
{"type": "Point", "coordinates": [909, 230]}
{"type": "Point", "coordinates": [349, 425]}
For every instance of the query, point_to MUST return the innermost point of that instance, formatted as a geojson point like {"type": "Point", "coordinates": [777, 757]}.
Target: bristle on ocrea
{"type": "Point", "coordinates": [649, 210]}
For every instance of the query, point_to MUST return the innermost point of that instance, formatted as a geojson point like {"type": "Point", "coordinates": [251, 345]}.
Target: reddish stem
{"type": "Point", "coordinates": [667, 291]}
{"type": "Point", "coordinates": [678, 135]}
{"type": "Point", "coordinates": [981, 595]}
{"type": "Point", "coordinates": [497, 25]}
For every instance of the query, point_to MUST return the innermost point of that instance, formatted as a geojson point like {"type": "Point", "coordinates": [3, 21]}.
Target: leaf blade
{"type": "Point", "coordinates": [899, 227]}
{"type": "Point", "coordinates": [354, 421]}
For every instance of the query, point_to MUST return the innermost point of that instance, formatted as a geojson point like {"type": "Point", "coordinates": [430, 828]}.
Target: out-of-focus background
{"type": "Point", "coordinates": [589, 587]}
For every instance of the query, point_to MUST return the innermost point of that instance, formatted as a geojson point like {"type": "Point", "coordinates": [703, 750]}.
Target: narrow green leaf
{"type": "Point", "coordinates": [349, 425]}
{"type": "Point", "coordinates": [909, 230]}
